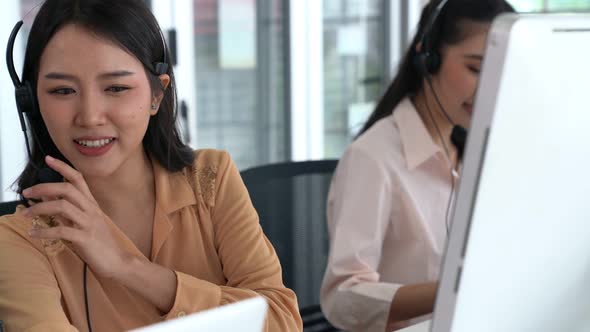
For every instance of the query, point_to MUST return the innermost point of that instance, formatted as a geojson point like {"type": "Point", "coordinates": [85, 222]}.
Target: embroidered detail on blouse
{"type": "Point", "coordinates": [51, 246]}
{"type": "Point", "coordinates": [206, 178]}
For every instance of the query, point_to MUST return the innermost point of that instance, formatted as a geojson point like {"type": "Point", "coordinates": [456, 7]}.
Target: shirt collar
{"type": "Point", "coordinates": [417, 143]}
{"type": "Point", "coordinates": [173, 190]}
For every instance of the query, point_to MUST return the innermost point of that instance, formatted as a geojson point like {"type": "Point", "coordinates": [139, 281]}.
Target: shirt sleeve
{"type": "Point", "coordinates": [249, 261]}
{"type": "Point", "coordinates": [29, 293]}
{"type": "Point", "coordinates": [359, 214]}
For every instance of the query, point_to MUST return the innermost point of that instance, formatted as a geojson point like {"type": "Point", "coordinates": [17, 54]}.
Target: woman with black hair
{"type": "Point", "coordinates": [389, 199]}
{"type": "Point", "coordinates": [139, 229]}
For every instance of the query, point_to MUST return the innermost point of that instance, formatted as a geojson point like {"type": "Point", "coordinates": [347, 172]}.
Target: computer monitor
{"type": "Point", "coordinates": [518, 256]}
{"type": "Point", "coordinates": [246, 316]}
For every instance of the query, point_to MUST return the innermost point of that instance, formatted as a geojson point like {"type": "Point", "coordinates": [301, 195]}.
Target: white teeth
{"type": "Point", "coordinates": [96, 143]}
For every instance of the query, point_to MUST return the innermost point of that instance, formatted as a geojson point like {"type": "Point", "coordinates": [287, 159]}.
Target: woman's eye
{"type": "Point", "coordinates": [474, 70]}
{"type": "Point", "coordinates": [117, 89]}
{"type": "Point", "coordinates": [62, 91]}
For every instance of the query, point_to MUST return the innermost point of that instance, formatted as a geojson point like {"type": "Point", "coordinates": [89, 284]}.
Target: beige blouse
{"type": "Point", "coordinates": [205, 229]}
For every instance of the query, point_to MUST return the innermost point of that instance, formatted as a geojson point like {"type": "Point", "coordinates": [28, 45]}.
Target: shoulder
{"type": "Point", "coordinates": [209, 168]}
{"type": "Point", "coordinates": [14, 230]}
{"type": "Point", "coordinates": [380, 145]}
{"type": "Point", "coordinates": [14, 224]}
{"type": "Point", "coordinates": [210, 158]}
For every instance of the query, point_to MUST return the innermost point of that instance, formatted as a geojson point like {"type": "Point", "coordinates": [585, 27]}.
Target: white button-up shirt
{"type": "Point", "coordinates": [386, 218]}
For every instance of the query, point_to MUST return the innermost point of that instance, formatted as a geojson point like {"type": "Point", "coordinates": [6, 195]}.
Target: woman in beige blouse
{"type": "Point", "coordinates": [389, 199]}
{"type": "Point", "coordinates": [141, 229]}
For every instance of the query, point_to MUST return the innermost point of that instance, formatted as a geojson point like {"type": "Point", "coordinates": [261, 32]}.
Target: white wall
{"type": "Point", "coordinates": [178, 14]}
{"type": "Point", "coordinates": [12, 144]}
{"type": "Point", "coordinates": [307, 79]}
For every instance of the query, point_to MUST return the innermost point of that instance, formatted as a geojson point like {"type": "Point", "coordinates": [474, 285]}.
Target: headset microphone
{"type": "Point", "coordinates": [427, 62]}
{"type": "Point", "coordinates": [459, 138]}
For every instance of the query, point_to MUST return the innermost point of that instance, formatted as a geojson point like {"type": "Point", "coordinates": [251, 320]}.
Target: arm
{"type": "Point", "coordinates": [359, 213]}
{"type": "Point", "coordinates": [361, 205]}
{"type": "Point", "coordinates": [411, 301]}
{"type": "Point", "coordinates": [250, 263]}
{"type": "Point", "coordinates": [29, 293]}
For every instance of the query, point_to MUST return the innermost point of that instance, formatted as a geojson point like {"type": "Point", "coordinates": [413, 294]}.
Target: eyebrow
{"type": "Point", "coordinates": [115, 74]}
{"type": "Point", "coordinates": [68, 77]}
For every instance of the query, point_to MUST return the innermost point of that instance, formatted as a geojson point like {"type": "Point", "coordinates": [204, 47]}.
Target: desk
{"type": "Point", "coordinates": [422, 327]}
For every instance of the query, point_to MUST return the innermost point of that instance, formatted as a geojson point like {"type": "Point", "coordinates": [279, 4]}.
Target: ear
{"type": "Point", "coordinates": [157, 98]}
{"type": "Point", "coordinates": [418, 47]}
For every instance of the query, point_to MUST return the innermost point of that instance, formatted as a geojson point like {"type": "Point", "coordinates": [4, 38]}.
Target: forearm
{"type": "Point", "coordinates": [154, 282]}
{"type": "Point", "coordinates": [412, 301]}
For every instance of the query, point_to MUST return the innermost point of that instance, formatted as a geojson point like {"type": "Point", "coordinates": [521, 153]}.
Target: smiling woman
{"type": "Point", "coordinates": [142, 228]}
{"type": "Point", "coordinates": [96, 99]}
{"type": "Point", "coordinates": [391, 194]}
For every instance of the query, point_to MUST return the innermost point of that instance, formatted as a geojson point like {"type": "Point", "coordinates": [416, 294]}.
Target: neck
{"type": "Point", "coordinates": [437, 124]}
{"type": "Point", "coordinates": [131, 186]}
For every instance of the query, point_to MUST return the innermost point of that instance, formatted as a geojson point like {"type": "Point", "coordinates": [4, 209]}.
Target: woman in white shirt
{"type": "Point", "coordinates": [389, 199]}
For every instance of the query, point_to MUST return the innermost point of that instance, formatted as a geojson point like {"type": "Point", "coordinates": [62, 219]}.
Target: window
{"type": "Point", "coordinates": [550, 5]}
{"type": "Point", "coordinates": [354, 67]}
{"type": "Point", "coordinates": [574, 5]}
{"type": "Point", "coordinates": [231, 75]}
{"type": "Point", "coordinates": [240, 79]}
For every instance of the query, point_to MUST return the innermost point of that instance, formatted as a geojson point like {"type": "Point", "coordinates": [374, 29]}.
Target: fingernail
{"type": "Point", "coordinates": [26, 212]}
{"type": "Point", "coordinates": [49, 158]}
{"type": "Point", "coordinates": [27, 192]}
{"type": "Point", "coordinates": [33, 232]}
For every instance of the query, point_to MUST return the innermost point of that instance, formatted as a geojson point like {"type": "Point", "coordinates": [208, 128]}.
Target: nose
{"type": "Point", "coordinates": [91, 111]}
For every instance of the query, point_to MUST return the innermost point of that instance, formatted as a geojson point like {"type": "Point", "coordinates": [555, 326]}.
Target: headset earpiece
{"type": "Point", "coordinates": [432, 62]}
{"type": "Point", "coordinates": [428, 60]}
{"type": "Point", "coordinates": [161, 68]}
{"type": "Point", "coordinates": [427, 63]}
{"type": "Point", "coordinates": [25, 98]}
{"type": "Point", "coordinates": [25, 102]}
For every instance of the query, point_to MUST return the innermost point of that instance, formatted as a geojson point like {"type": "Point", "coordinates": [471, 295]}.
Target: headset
{"type": "Point", "coordinates": [27, 104]}
{"type": "Point", "coordinates": [427, 62]}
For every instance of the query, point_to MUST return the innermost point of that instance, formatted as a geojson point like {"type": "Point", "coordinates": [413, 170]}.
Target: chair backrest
{"type": "Point", "coordinates": [8, 207]}
{"type": "Point", "coordinates": [290, 199]}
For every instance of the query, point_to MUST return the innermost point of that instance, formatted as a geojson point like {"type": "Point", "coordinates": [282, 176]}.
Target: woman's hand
{"type": "Point", "coordinates": [80, 221]}
{"type": "Point", "coordinates": [411, 301]}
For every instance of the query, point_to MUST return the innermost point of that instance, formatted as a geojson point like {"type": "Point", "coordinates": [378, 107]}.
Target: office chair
{"type": "Point", "coordinates": [8, 207]}
{"type": "Point", "coordinates": [290, 199]}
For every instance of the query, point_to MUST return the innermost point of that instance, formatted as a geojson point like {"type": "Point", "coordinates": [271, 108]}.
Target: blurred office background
{"type": "Point", "coordinates": [266, 80]}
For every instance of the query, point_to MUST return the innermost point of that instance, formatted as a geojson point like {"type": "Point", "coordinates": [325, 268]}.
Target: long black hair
{"type": "Point", "coordinates": [447, 30]}
{"type": "Point", "coordinates": [131, 25]}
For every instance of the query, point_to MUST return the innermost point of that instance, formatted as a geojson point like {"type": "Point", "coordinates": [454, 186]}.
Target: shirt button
{"type": "Point", "coordinates": [180, 314]}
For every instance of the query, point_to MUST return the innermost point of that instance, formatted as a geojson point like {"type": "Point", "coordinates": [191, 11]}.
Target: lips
{"type": "Point", "coordinates": [96, 143]}
{"type": "Point", "coordinates": [94, 146]}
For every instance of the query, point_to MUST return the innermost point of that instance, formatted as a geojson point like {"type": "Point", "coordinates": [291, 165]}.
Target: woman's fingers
{"type": "Point", "coordinates": [70, 175]}
{"type": "Point", "coordinates": [59, 232]}
{"type": "Point", "coordinates": [61, 190]}
{"type": "Point", "coordinates": [58, 207]}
